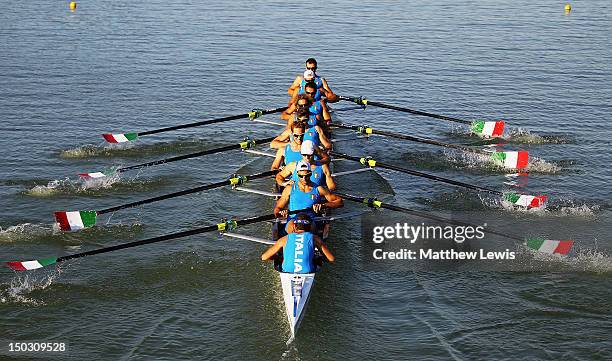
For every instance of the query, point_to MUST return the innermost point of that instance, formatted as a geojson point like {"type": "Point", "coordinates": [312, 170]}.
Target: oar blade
{"type": "Point", "coordinates": [75, 220]}
{"type": "Point", "coordinates": [31, 265]}
{"type": "Point", "coordinates": [120, 137]}
{"type": "Point", "coordinates": [526, 200]}
{"type": "Point", "coordinates": [488, 129]}
{"type": "Point", "coordinates": [548, 246]}
{"type": "Point", "coordinates": [511, 160]}
{"type": "Point", "coordinates": [93, 175]}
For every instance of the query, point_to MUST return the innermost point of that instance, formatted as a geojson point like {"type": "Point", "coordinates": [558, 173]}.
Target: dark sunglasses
{"type": "Point", "coordinates": [313, 68]}
{"type": "Point", "coordinates": [311, 93]}
{"type": "Point", "coordinates": [298, 135]}
{"type": "Point", "coordinates": [306, 175]}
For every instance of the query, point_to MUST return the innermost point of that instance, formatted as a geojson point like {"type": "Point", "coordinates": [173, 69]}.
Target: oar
{"type": "Point", "coordinates": [76, 220]}
{"type": "Point", "coordinates": [512, 160]}
{"type": "Point", "coordinates": [247, 143]}
{"type": "Point", "coordinates": [482, 128]}
{"type": "Point", "coordinates": [221, 227]}
{"type": "Point", "coordinates": [539, 244]}
{"type": "Point", "coordinates": [127, 137]}
{"type": "Point", "coordinates": [527, 201]}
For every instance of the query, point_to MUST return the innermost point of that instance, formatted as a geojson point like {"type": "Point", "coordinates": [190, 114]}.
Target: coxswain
{"type": "Point", "coordinates": [299, 247]}
{"type": "Point", "coordinates": [321, 174]}
{"type": "Point", "coordinates": [304, 194]}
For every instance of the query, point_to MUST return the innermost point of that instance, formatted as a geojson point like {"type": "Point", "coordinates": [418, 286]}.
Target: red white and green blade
{"type": "Point", "coordinates": [511, 160]}
{"type": "Point", "coordinates": [76, 220]}
{"type": "Point", "coordinates": [549, 246]}
{"type": "Point", "coordinates": [525, 200]}
{"type": "Point", "coordinates": [120, 137]}
{"type": "Point", "coordinates": [30, 265]}
{"type": "Point", "coordinates": [489, 129]}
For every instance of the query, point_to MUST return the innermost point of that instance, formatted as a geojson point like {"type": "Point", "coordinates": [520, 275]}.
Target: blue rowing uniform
{"type": "Point", "coordinates": [316, 108]}
{"type": "Point", "coordinates": [313, 135]}
{"type": "Point", "coordinates": [292, 156]}
{"type": "Point", "coordinates": [298, 253]}
{"type": "Point", "coordinates": [317, 95]}
{"type": "Point", "coordinates": [317, 177]}
{"type": "Point", "coordinates": [302, 200]}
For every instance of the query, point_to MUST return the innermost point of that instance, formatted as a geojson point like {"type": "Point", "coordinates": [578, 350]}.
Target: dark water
{"type": "Point", "coordinates": [120, 66]}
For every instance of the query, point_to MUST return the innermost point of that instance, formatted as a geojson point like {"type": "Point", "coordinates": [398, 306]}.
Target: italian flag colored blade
{"type": "Point", "coordinates": [550, 246]}
{"type": "Point", "coordinates": [73, 221]}
{"type": "Point", "coordinates": [30, 265]}
{"type": "Point", "coordinates": [120, 138]}
{"type": "Point", "coordinates": [513, 160]}
{"type": "Point", "coordinates": [525, 200]}
{"type": "Point", "coordinates": [94, 175]}
{"type": "Point", "coordinates": [489, 129]}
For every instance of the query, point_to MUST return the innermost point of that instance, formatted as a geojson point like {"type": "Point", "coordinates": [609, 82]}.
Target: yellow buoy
{"type": "Point", "coordinates": [568, 8]}
{"type": "Point", "coordinates": [73, 5]}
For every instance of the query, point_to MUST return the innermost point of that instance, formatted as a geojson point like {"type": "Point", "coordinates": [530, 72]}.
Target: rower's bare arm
{"type": "Point", "coordinates": [329, 180]}
{"type": "Point", "coordinates": [331, 96]}
{"type": "Point", "coordinates": [333, 201]}
{"type": "Point", "coordinates": [278, 159]}
{"type": "Point", "coordinates": [326, 115]}
{"type": "Point", "coordinates": [281, 141]}
{"type": "Point", "coordinates": [273, 250]}
{"type": "Point", "coordinates": [286, 115]}
{"type": "Point", "coordinates": [323, 138]}
{"type": "Point", "coordinates": [284, 174]}
{"type": "Point", "coordinates": [282, 202]}
{"type": "Point", "coordinates": [323, 248]}
{"type": "Point", "coordinates": [323, 156]}
{"type": "Point", "coordinates": [294, 85]}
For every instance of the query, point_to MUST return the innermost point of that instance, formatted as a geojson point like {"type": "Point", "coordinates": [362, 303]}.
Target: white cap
{"type": "Point", "coordinates": [309, 75]}
{"type": "Point", "coordinates": [301, 165]}
{"type": "Point", "coordinates": [307, 147]}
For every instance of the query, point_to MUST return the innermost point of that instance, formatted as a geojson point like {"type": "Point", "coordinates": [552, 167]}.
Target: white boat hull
{"type": "Point", "coordinates": [296, 291]}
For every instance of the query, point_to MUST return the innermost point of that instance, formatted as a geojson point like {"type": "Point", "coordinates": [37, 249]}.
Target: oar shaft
{"type": "Point", "coordinates": [412, 138]}
{"type": "Point", "coordinates": [419, 174]}
{"type": "Point", "coordinates": [190, 155]}
{"type": "Point", "coordinates": [184, 192]}
{"type": "Point", "coordinates": [206, 122]}
{"type": "Point", "coordinates": [170, 236]}
{"type": "Point", "coordinates": [407, 110]}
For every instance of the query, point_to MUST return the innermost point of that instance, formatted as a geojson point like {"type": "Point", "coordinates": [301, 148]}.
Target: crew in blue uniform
{"type": "Point", "coordinates": [304, 195]}
{"type": "Point", "coordinates": [299, 248]}
{"type": "Point", "coordinates": [321, 174]}
{"type": "Point", "coordinates": [288, 152]}
{"type": "Point", "coordinates": [322, 85]}
{"type": "Point", "coordinates": [315, 133]}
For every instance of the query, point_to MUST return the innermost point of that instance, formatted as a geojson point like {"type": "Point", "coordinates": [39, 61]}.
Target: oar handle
{"type": "Point", "coordinates": [362, 101]}
{"type": "Point", "coordinates": [417, 173]}
{"type": "Point", "coordinates": [192, 155]}
{"type": "Point", "coordinates": [210, 121]}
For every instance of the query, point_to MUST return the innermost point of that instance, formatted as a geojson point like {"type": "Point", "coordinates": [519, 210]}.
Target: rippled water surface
{"type": "Point", "coordinates": [66, 77]}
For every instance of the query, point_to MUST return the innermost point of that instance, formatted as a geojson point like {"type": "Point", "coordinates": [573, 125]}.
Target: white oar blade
{"type": "Point", "coordinates": [489, 129]}
{"type": "Point", "coordinates": [511, 160]}
{"type": "Point", "coordinates": [93, 175]}
{"type": "Point", "coordinates": [120, 137]}
{"type": "Point", "coordinates": [549, 246]}
{"type": "Point", "coordinates": [75, 220]}
{"type": "Point", "coordinates": [526, 200]}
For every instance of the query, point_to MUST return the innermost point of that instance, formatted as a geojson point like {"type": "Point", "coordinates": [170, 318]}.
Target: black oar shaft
{"type": "Point", "coordinates": [184, 192]}
{"type": "Point", "coordinates": [412, 138]}
{"type": "Point", "coordinates": [167, 237]}
{"type": "Point", "coordinates": [422, 214]}
{"type": "Point", "coordinates": [190, 155]}
{"type": "Point", "coordinates": [407, 110]}
{"type": "Point", "coordinates": [211, 121]}
{"type": "Point", "coordinates": [418, 174]}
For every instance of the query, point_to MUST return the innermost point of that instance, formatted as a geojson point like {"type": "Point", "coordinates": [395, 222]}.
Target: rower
{"type": "Point", "coordinates": [321, 174]}
{"type": "Point", "coordinates": [304, 194]}
{"type": "Point", "coordinates": [299, 248]}
{"type": "Point", "coordinates": [302, 101]}
{"type": "Point", "coordinates": [318, 108]}
{"type": "Point", "coordinates": [289, 151]}
{"type": "Point", "coordinates": [311, 65]}
{"type": "Point", "coordinates": [314, 131]}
